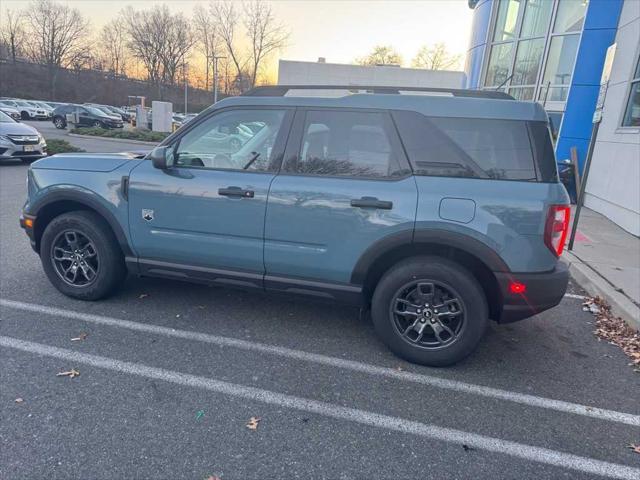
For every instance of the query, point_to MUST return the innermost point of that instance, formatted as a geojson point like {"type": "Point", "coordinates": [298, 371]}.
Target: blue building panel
{"type": "Point", "coordinates": [603, 14]}
{"type": "Point", "coordinates": [594, 46]}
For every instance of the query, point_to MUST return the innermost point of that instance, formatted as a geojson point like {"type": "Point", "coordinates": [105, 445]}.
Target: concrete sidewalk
{"type": "Point", "coordinates": [605, 261]}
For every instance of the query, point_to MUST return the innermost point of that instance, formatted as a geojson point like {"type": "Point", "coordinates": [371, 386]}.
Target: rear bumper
{"type": "Point", "coordinates": [543, 291]}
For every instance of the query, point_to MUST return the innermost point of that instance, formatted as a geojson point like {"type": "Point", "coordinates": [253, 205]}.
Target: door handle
{"type": "Point", "coordinates": [371, 202]}
{"type": "Point", "coordinates": [236, 192]}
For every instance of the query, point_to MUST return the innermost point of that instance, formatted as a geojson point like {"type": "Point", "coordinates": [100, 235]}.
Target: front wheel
{"type": "Point", "coordinates": [97, 124]}
{"type": "Point", "coordinates": [429, 310]}
{"type": "Point", "coordinates": [81, 256]}
{"type": "Point", "coordinates": [59, 123]}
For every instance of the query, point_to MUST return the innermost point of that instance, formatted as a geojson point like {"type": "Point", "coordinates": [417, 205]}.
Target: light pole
{"type": "Point", "coordinates": [215, 59]}
{"type": "Point", "coordinates": [184, 73]}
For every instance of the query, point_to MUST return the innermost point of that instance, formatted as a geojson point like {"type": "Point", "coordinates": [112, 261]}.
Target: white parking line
{"type": "Point", "coordinates": [459, 437]}
{"type": "Point", "coordinates": [432, 381]}
{"type": "Point", "coordinates": [573, 295]}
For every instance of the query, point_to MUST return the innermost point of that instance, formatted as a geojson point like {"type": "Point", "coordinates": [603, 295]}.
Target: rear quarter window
{"type": "Point", "coordinates": [467, 147]}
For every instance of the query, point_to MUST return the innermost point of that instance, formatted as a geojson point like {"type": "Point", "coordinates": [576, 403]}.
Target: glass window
{"type": "Point", "coordinates": [232, 140]}
{"type": "Point", "coordinates": [632, 112]}
{"type": "Point", "coordinates": [536, 18]}
{"type": "Point", "coordinates": [467, 147]}
{"type": "Point", "coordinates": [522, 93]}
{"type": "Point", "coordinates": [527, 65]}
{"type": "Point", "coordinates": [506, 20]}
{"type": "Point", "coordinates": [562, 55]}
{"type": "Point", "coordinates": [499, 64]}
{"type": "Point", "coordinates": [570, 16]}
{"type": "Point", "coordinates": [346, 144]}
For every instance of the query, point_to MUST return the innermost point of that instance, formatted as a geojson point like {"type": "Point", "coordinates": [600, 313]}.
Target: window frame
{"type": "Point", "coordinates": [548, 35]}
{"type": "Point", "coordinates": [632, 81]}
{"type": "Point", "coordinates": [173, 141]}
{"type": "Point", "coordinates": [294, 145]}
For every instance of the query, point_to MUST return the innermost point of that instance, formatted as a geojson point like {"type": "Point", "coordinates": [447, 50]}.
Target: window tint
{"type": "Point", "coordinates": [467, 147]}
{"type": "Point", "coordinates": [346, 143]}
{"type": "Point", "coordinates": [232, 140]}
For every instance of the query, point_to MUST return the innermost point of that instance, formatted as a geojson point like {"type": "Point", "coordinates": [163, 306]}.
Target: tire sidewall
{"type": "Point", "coordinates": [111, 269]}
{"type": "Point", "coordinates": [447, 273]}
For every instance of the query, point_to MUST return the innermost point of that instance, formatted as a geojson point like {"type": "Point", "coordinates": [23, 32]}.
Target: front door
{"type": "Point", "coordinates": [345, 184]}
{"type": "Point", "coordinates": [204, 216]}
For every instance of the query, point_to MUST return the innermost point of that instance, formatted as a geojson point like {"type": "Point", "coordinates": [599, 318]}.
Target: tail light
{"type": "Point", "coordinates": [556, 228]}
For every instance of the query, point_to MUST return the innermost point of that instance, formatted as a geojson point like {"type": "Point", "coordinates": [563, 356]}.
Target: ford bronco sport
{"type": "Point", "coordinates": [437, 212]}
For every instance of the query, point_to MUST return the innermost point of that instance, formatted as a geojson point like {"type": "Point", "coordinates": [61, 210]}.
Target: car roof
{"type": "Point", "coordinates": [430, 105]}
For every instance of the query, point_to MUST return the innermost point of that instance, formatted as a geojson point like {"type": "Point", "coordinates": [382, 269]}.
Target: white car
{"type": "Point", "coordinates": [27, 111]}
{"type": "Point", "coordinates": [20, 141]}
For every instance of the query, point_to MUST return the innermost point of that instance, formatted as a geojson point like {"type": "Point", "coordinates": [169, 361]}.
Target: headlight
{"type": "Point", "coordinates": [4, 139]}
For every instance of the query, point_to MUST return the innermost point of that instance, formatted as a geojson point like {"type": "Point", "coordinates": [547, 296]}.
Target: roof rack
{"type": "Point", "coordinates": [282, 90]}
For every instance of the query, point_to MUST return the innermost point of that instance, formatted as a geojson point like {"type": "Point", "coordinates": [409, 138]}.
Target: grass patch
{"type": "Point", "coordinates": [134, 134]}
{"type": "Point", "coordinates": [60, 146]}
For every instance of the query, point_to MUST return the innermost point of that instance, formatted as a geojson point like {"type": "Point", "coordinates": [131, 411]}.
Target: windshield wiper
{"type": "Point", "coordinates": [252, 160]}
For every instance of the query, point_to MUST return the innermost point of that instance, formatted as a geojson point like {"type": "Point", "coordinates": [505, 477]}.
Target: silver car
{"type": "Point", "coordinates": [20, 141]}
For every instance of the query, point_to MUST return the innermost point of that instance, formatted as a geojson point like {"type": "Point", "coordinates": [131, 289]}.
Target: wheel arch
{"type": "Point", "coordinates": [470, 253]}
{"type": "Point", "coordinates": [58, 203]}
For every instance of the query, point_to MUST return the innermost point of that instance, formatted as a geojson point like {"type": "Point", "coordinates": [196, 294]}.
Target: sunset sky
{"type": "Point", "coordinates": [337, 30]}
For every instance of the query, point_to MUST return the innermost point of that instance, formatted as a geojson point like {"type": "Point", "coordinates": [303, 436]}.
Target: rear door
{"type": "Point", "coordinates": [344, 185]}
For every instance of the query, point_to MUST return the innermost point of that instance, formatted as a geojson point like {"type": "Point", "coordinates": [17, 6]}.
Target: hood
{"type": "Point", "coordinates": [85, 162]}
{"type": "Point", "coordinates": [15, 128]}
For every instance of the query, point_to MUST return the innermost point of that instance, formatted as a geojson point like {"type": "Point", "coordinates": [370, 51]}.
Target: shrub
{"type": "Point", "coordinates": [55, 145]}
{"type": "Point", "coordinates": [133, 134]}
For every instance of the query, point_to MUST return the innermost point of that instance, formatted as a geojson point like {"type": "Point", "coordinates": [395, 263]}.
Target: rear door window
{"type": "Point", "coordinates": [467, 147]}
{"type": "Point", "coordinates": [348, 143]}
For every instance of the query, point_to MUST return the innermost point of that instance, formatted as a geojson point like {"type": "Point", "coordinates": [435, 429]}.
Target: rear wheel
{"type": "Point", "coordinates": [59, 123]}
{"type": "Point", "coordinates": [97, 124]}
{"type": "Point", "coordinates": [430, 311]}
{"type": "Point", "coordinates": [81, 256]}
{"type": "Point", "coordinates": [25, 115]}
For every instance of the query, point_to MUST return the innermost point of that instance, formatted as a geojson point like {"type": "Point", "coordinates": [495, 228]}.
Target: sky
{"type": "Point", "coordinates": [339, 30]}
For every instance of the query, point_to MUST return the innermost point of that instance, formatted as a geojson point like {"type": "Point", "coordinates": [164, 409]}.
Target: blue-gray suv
{"type": "Point", "coordinates": [436, 212]}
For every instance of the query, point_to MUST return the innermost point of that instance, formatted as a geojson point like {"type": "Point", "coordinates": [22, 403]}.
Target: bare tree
{"type": "Point", "coordinates": [144, 41]}
{"type": "Point", "coordinates": [381, 55]}
{"type": "Point", "coordinates": [265, 34]}
{"type": "Point", "coordinates": [208, 41]}
{"type": "Point", "coordinates": [113, 41]}
{"type": "Point", "coordinates": [56, 36]}
{"type": "Point", "coordinates": [12, 33]}
{"type": "Point", "coordinates": [227, 20]}
{"type": "Point", "coordinates": [436, 57]}
{"type": "Point", "coordinates": [177, 44]}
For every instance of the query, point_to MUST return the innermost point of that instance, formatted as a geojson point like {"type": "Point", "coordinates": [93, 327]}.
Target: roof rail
{"type": "Point", "coordinates": [282, 90]}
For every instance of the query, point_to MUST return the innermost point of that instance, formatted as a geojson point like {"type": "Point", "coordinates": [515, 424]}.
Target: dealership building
{"type": "Point", "coordinates": [553, 52]}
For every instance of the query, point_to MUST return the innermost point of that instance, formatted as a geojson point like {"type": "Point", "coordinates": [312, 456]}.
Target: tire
{"type": "Point", "coordinates": [416, 279]}
{"type": "Point", "coordinates": [97, 124]}
{"type": "Point", "coordinates": [108, 264]}
{"type": "Point", "coordinates": [59, 123]}
{"type": "Point", "coordinates": [28, 160]}
{"type": "Point", "coordinates": [24, 115]}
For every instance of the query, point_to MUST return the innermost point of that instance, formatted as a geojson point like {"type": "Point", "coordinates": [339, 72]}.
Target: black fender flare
{"type": "Point", "coordinates": [88, 199]}
{"type": "Point", "coordinates": [447, 238]}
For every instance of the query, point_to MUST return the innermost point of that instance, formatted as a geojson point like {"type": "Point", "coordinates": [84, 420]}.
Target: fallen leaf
{"type": "Point", "coordinates": [634, 448]}
{"type": "Point", "coordinates": [80, 337]}
{"type": "Point", "coordinates": [467, 448]}
{"type": "Point", "coordinates": [253, 423]}
{"type": "Point", "coordinates": [199, 414]}
{"type": "Point", "coordinates": [143, 295]}
{"type": "Point", "coordinates": [19, 400]}
{"type": "Point", "coordinates": [71, 373]}
{"type": "Point", "coordinates": [178, 315]}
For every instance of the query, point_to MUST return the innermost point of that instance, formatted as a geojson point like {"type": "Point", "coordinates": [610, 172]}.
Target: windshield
{"type": "Point", "coordinates": [4, 118]}
{"type": "Point", "coordinates": [95, 111]}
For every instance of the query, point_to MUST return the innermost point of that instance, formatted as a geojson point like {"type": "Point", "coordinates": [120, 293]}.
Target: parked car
{"type": "Point", "coordinates": [436, 212]}
{"type": "Point", "coordinates": [85, 116]}
{"type": "Point", "coordinates": [12, 112]}
{"type": "Point", "coordinates": [20, 141]}
{"type": "Point", "coordinates": [27, 111]}
{"type": "Point", "coordinates": [43, 106]}
{"type": "Point", "coordinates": [105, 110]}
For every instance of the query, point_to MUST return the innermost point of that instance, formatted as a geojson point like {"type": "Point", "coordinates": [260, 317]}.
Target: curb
{"type": "Point", "coordinates": [595, 284]}
{"type": "Point", "coordinates": [117, 140]}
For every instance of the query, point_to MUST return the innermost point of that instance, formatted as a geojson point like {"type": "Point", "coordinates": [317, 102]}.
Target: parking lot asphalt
{"type": "Point", "coordinates": [49, 131]}
{"type": "Point", "coordinates": [171, 373]}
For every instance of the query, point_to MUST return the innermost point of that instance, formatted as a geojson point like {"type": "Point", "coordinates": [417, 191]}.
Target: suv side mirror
{"type": "Point", "coordinates": [159, 158]}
